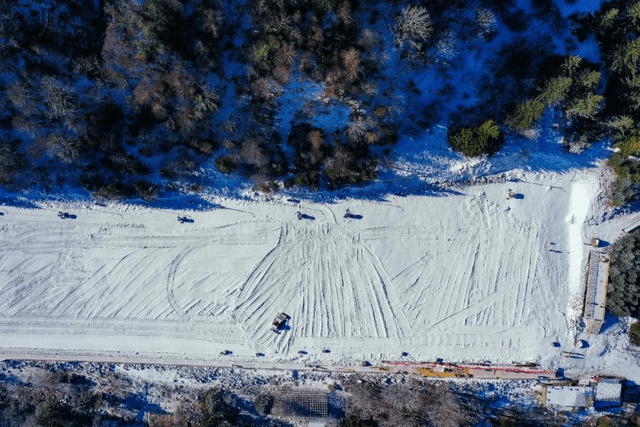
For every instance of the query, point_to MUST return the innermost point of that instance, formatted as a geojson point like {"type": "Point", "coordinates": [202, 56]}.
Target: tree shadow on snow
{"type": "Point", "coordinates": [17, 202]}
{"type": "Point", "coordinates": [389, 183]}
{"type": "Point", "coordinates": [178, 202]}
{"type": "Point", "coordinates": [10, 379]}
{"type": "Point", "coordinates": [136, 402]}
{"type": "Point", "coordinates": [609, 321]}
{"type": "Point", "coordinates": [630, 392]}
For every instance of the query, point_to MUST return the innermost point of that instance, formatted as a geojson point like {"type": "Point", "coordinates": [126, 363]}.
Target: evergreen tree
{"type": "Point", "coordinates": [571, 65]}
{"type": "Point", "coordinates": [623, 297]}
{"type": "Point", "coordinates": [608, 19]}
{"type": "Point", "coordinates": [633, 14]}
{"type": "Point", "coordinates": [555, 90]}
{"type": "Point", "coordinates": [625, 58]}
{"type": "Point", "coordinates": [590, 79]}
{"type": "Point", "coordinates": [630, 146]}
{"type": "Point", "coordinates": [634, 334]}
{"type": "Point", "coordinates": [585, 107]}
{"type": "Point", "coordinates": [527, 114]}
{"type": "Point", "coordinates": [473, 142]}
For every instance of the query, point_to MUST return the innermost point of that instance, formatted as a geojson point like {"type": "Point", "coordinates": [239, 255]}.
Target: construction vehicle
{"type": "Point", "coordinates": [279, 322]}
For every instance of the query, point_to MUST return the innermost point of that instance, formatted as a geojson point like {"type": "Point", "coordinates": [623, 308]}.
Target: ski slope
{"type": "Point", "coordinates": [471, 275]}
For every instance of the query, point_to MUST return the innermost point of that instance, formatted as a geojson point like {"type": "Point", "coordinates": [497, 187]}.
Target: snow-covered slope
{"type": "Point", "coordinates": [471, 275]}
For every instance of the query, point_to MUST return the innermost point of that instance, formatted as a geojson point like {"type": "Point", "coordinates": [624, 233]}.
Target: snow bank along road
{"type": "Point", "coordinates": [469, 276]}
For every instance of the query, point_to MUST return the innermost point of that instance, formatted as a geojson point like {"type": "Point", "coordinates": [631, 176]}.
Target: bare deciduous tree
{"type": "Point", "coordinates": [351, 60]}
{"type": "Point", "coordinates": [357, 129]}
{"type": "Point", "coordinates": [413, 25]}
{"type": "Point", "coordinates": [406, 405]}
{"type": "Point", "coordinates": [18, 95]}
{"type": "Point", "coordinates": [205, 101]}
{"type": "Point", "coordinates": [486, 20]}
{"type": "Point", "coordinates": [368, 39]}
{"type": "Point", "coordinates": [344, 13]}
{"type": "Point", "coordinates": [59, 98]}
{"type": "Point", "coordinates": [210, 21]}
{"type": "Point", "coordinates": [252, 153]}
{"type": "Point", "coordinates": [446, 46]}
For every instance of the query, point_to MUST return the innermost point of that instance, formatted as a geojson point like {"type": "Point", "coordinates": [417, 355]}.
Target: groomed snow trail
{"type": "Point", "coordinates": [469, 276]}
{"type": "Point", "coordinates": [475, 279]}
{"type": "Point", "coordinates": [583, 192]}
{"type": "Point", "coordinates": [495, 281]}
{"type": "Point", "coordinates": [326, 279]}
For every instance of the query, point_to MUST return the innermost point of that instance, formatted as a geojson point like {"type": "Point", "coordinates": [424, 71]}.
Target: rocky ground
{"type": "Point", "coordinates": [102, 394]}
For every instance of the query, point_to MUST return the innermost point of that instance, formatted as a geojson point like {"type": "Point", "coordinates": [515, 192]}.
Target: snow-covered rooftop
{"type": "Point", "coordinates": [609, 390]}
{"type": "Point", "coordinates": [569, 397]}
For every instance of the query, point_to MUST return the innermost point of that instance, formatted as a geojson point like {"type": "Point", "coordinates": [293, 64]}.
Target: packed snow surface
{"type": "Point", "coordinates": [582, 192]}
{"type": "Point", "coordinates": [468, 275]}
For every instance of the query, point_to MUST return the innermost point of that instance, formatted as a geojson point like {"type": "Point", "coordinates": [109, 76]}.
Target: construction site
{"type": "Point", "coordinates": [456, 370]}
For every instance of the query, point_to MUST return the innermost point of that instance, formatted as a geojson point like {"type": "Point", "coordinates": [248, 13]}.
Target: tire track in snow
{"type": "Point", "coordinates": [328, 261]}
{"type": "Point", "coordinates": [480, 290]}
